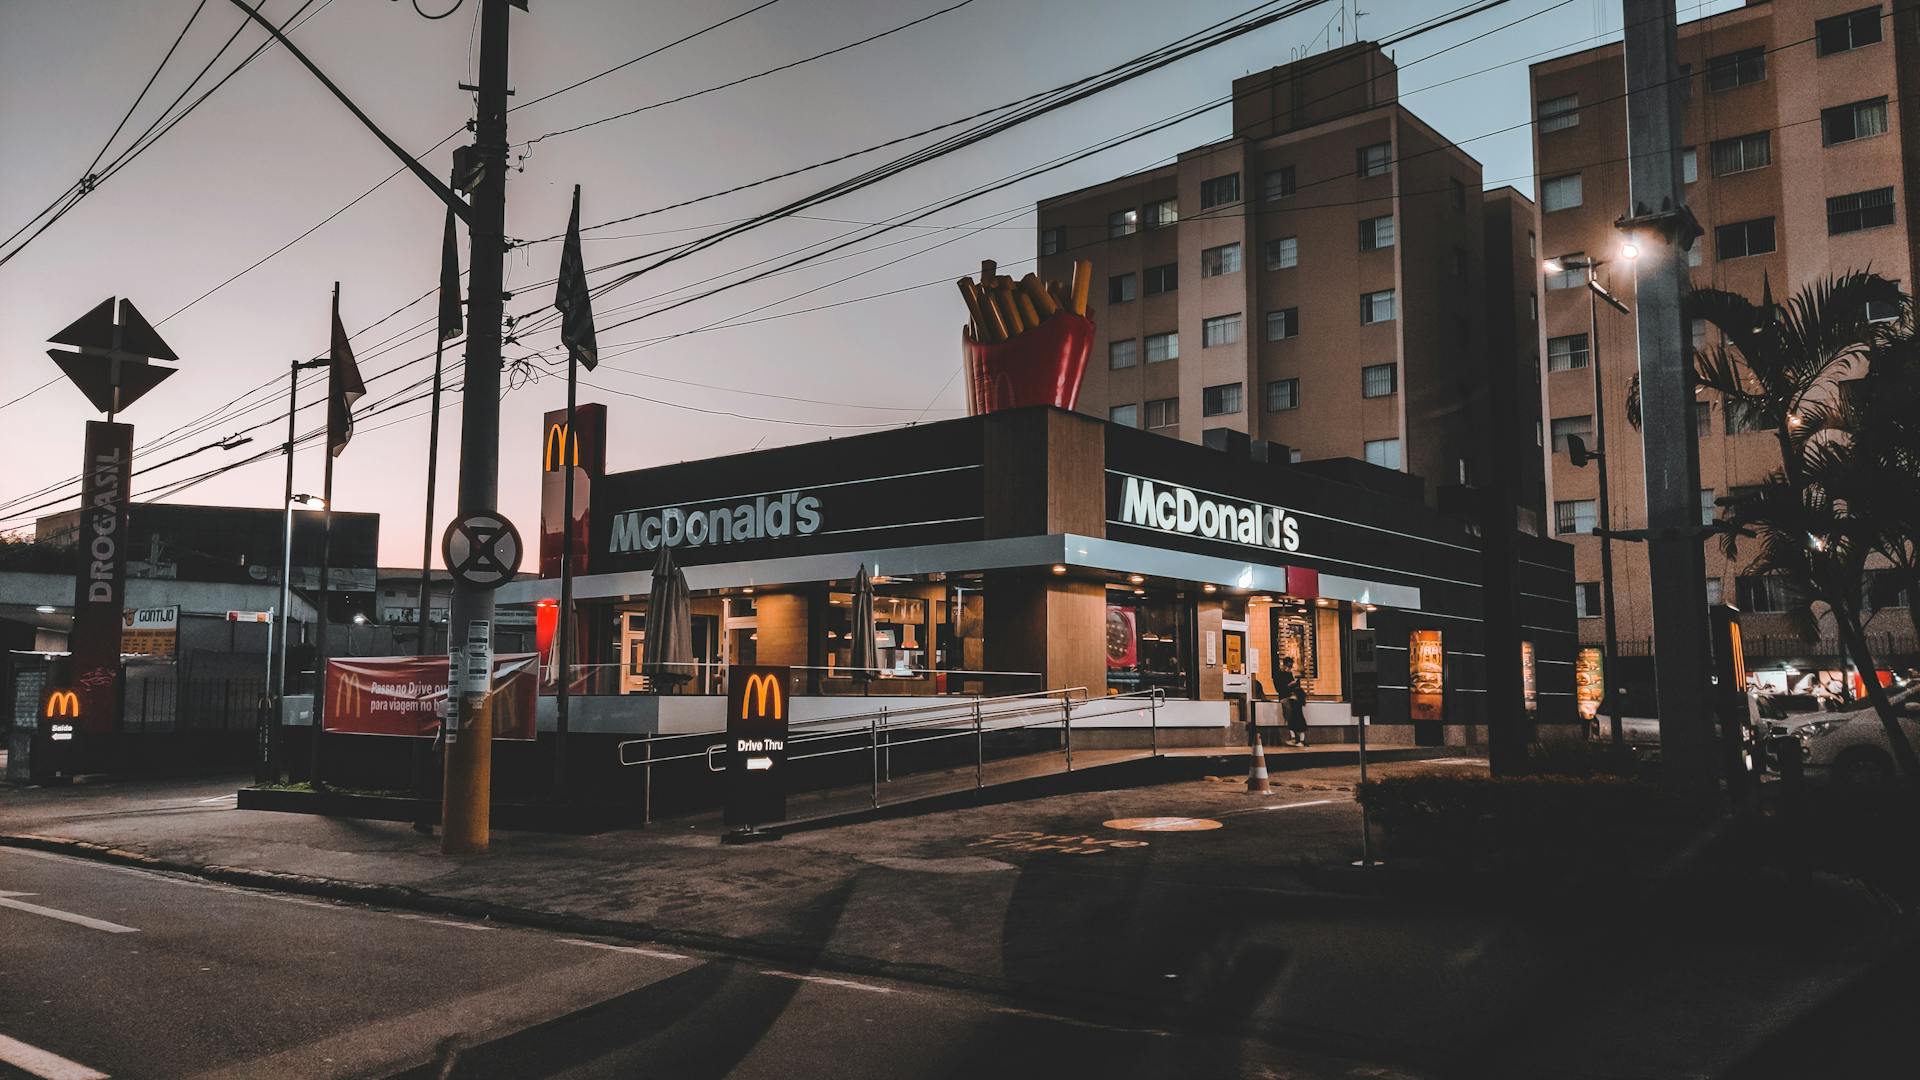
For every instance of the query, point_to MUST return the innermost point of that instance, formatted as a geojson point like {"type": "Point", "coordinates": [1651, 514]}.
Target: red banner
{"type": "Point", "coordinates": [405, 695]}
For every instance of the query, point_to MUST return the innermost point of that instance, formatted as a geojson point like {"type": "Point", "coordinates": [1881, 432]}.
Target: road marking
{"type": "Point", "coordinates": [44, 1064]}
{"type": "Point", "coordinates": [7, 900]}
{"type": "Point", "coordinates": [1163, 824]}
{"type": "Point", "coordinates": [1050, 1018]}
{"type": "Point", "coordinates": [848, 984]}
{"type": "Point", "coordinates": [447, 922]}
{"type": "Point", "coordinates": [637, 951]}
{"type": "Point", "coordinates": [217, 798]}
{"type": "Point", "coordinates": [1285, 806]}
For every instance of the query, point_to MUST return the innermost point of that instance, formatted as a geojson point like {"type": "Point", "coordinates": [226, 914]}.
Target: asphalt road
{"type": "Point", "coordinates": [110, 971]}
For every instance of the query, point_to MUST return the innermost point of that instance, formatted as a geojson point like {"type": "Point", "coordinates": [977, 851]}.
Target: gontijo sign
{"type": "Point", "coordinates": [1175, 508]}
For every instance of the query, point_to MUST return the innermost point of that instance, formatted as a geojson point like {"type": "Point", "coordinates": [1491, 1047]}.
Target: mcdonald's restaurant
{"type": "Point", "coordinates": [1032, 551]}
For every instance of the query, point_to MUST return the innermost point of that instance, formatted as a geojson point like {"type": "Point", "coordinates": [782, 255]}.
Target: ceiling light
{"type": "Point", "coordinates": [1209, 587]}
{"type": "Point", "coordinates": [1059, 569]}
{"type": "Point", "coordinates": [1136, 579]}
{"type": "Point", "coordinates": [1139, 592]}
{"type": "Point", "coordinates": [45, 609]}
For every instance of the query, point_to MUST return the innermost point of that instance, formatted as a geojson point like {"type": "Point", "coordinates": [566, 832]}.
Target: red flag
{"type": "Point", "coordinates": [343, 385]}
{"type": "Point", "coordinates": [576, 307]}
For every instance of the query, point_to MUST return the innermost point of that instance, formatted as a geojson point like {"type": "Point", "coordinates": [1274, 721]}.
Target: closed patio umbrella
{"type": "Point", "coordinates": [866, 651]}
{"type": "Point", "coordinates": [668, 660]}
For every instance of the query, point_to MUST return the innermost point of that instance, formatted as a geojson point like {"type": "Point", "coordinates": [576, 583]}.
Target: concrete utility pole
{"type": "Point", "coordinates": [1677, 564]}
{"type": "Point", "coordinates": [467, 794]}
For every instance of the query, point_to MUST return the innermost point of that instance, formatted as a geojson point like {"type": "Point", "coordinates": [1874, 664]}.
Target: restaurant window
{"type": "Point", "coordinates": [1860, 120]}
{"type": "Point", "coordinates": [1163, 347]}
{"type": "Point", "coordinates": [1122, 354]}
{"type": "Point", "coordinates": [1222, 400]}
{"type": "Point", "coordinates": [1742, 153]}
{"type": "Point", "coordinates": [1053, 241]}
{"type": "Point", "coordinates": [1283, 253]}
{"type": "Point", "coordinates": [902, 630]}
{"type": "Point", "coordinates": [1283, 394]}
{"type": "Point", "coordinates": [1125, 415]}
{"type": "Point", "coordinates": [1376, 233]}
{"type": "Point", "coordinates": [1383, 452]}
{"type": "Point", "coordinates": [1220, 330]}
{"type": "Point", "coordinates": [1149, 643]}
{"type": "Point", "coordinates": [1762, 594]}
{"type": "Point", "coordinates": [1219, 261]}
{"type": "Point", "coordinates": [1743, 238]}
{"type": "Point", "coordinates": [1283, 324]}
{"type": "Point", "coordinates": [1162, 279]}
{"type": "Point", "coordinates": [1567, 353]}
{"type": "Point", "coordinates": [1558, 114]}
{"type": "Point", "coordinates": [1123, 223]}
{"type": "Point", "coordinates": [1220, 191]}
{"type": "Point", "coordinates": [1586, 600]}
{"type": "Point", "coordinates": [1561, 193]}
{"type": "Point", "coordinates": [1307, 634]}
{"type": "Point", "coordinates": [1376, 159]}
{"type": "Point", "coordinates": [1574, 517]}
{"type": "Point", "coordinates": [1161, 214]}
{"type": "Point", "coordinates": [1844, 32]}
{"type": "Point", "coordinates": [1122, 288]}
{"type": "Point", "coordinates": [1278, 184]}
{"type": "Point", "coordinates": [1565, 426]}
{"type": "Point", "coordinates": [1736, 69]}
{"type": "Point", "coordinates": [1376, 307]}
{"type": "Point", "coordinates": [1163, 412]}
{"type": "Point", "coordinates": [1862, 210]}
{"type": "Point", "coordinates": [1379, 380]}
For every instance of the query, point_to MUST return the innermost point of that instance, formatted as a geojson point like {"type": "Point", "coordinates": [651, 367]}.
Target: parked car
{"type": "Point", "coordinates": [1850, 746]}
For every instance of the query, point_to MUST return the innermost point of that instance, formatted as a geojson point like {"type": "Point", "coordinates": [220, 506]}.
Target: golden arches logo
{"type": "Point", "coordinates": [762, 689]}
{"type": "Point", "coordinates": [554, 454]}
{"type": "Point", "coordinates": [349, 697]}
{"type": "Point", "coordinates": [63, 703]}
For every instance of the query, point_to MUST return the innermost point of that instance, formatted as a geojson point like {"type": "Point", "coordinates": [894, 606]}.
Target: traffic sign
{"type": "Point", "coordinates": [114, 365]}
{"type": "Point", "coordinates": [1365, 699]}
{"type": "Point", "coordinates": [482, 550]}
{"type": "Point", "coordinates": [756, 744]}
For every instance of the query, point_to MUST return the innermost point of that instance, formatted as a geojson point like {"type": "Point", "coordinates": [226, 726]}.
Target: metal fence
{"type": "Point", "coordinates": [1885, 645]}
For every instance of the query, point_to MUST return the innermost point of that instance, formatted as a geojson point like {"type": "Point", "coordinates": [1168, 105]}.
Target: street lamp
{"type": "Point", "coordinates": [1578, 454]}
{"type": "Point", "coordinates": [311, 502]}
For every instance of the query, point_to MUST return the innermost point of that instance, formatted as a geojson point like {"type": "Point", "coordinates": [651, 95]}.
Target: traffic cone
{"type": "Point", "coordinates": [1257, 783]}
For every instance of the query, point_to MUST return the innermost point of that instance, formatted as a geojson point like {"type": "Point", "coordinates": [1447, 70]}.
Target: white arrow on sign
{"type": "Point", "coordinates": [7, 899]}
{"type": "Point", "coordinates": [755, 764]}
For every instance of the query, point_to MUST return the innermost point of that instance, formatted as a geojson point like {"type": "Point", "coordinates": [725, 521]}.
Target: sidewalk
{"type": "Point", "coordinates": [1044, 901]}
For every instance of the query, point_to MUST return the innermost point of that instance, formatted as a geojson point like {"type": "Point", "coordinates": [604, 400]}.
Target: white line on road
{"type": "Point", "coordinates": [217, 798]}
{"type": "Point", "coordinates": [848, 984]}
{"type": "Point", "coordinates": [1283, 806]}
{"type": "Point", "coordinates": [44, 1064]}
{"type": "Point", "coordinates": [7, 900]}
{"type": "Point", "coordinates": [447, 922]}
{"type": "Point", "coordinates": [1030, 1015]}
{"type": "Point", "coordinates": [637, 951]}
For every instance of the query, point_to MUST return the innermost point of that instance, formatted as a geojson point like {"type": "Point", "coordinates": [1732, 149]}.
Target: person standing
{"type": "Point", "coordinates": [1293, 697]}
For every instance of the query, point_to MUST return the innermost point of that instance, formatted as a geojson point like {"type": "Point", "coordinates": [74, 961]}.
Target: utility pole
{"type": "Point", "coordinates": [1609, 667]}
{"type": "Point", "coordinates": [467, 795]}
{"type": "Point", "coordinates": [1676, 562]}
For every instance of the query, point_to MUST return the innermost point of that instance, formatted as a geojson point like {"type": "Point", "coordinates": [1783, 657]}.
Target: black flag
{"type": "Point", "coordinates": [576, 307]}
{"type": "Point", "coordinates": [343, 385]}
{"type": "Point", "coordinates": [450, 327]}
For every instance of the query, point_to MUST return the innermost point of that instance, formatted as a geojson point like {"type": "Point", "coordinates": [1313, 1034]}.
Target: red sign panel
{"type": "Point", "coordinates": [584, 450]}
{"type": "Point", "coordinates": [404, 695]}
{"type": "Point", "coordinates": [100, 579]}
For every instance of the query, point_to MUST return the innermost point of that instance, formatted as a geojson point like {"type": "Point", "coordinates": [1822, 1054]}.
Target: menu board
{"type": "Point", "coordinates": [1589, 682]}
{"type": "Point", "coordinates": [1529, 689]}
{"type": "Point", "coordinates": [1426, 676]}
{"type": "Point", "coordinates": [1291, 637]}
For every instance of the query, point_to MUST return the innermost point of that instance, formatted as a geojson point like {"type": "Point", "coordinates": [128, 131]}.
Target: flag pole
{"type": "Point", "coordinates": [449, 326]}
{"type": "Point", "coordinates": [326, 568]}
{"type": "Point", "coordinates": [569, 454]}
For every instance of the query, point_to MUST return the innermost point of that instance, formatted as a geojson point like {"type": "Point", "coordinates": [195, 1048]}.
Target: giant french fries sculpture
{"type": "Point", "coordinates": [1026, 341]}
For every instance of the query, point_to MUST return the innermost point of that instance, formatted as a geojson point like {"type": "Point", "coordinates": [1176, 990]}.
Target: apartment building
{"type": "Point", "coordinates": [1797, 167]}
{"type": "Point", "coordinates": [1318, 280]}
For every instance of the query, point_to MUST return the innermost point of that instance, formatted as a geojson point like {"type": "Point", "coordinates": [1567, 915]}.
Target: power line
{"type": "Point", "coordinates": [649, 54]}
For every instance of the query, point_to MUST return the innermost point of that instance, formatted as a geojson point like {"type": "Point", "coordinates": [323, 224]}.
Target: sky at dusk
{"type": "Point", "coordinates": [271, 154]}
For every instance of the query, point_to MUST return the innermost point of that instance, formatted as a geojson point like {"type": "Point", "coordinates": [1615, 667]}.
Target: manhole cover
{"type": "Point", "coordinates": [1163, 824]}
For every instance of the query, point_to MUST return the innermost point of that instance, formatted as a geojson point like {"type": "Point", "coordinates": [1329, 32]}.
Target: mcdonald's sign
{"type": "Point", "coordinates": [554, 455]}
{"type": "Point", "coordinates": [757, 744]}
{"type": "Point", "coordinates": [62, 703]}
{"type": "Point", "coordinates": [582, 447]}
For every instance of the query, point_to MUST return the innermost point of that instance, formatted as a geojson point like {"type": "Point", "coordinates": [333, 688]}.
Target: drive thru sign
{"type": "Point", "coordinates": [757, 745]}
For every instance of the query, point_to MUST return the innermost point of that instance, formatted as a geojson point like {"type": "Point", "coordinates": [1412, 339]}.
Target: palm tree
{"type": "Point", "coordinates": [1836, 498]}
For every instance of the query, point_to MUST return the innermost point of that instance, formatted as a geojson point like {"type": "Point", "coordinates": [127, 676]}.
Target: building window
{"type": "Point", "coordinates": [1533, 245]}
{"type": "Point", "coordinates": [1715, 591]}
{"type": "Point", "coordinates": [1743, 238]}
{"type": "Point", "coordinates": [1376, 233]}
{"type": "Point", "coordinates": [1457, 192]}
{"type": "Point", "coordinates": [1861, 210]}
{"type": "Point", "coordinates": [1574, 517]}
{"type": "Point", "coordinates": [1122, 354]}
{"type": "Point", "coordinates": [1745, 416]}
{"type": "Point", "coordinates": [1850, 31]}
{"type": "Point", "coordinates": [1283, 394]}
{"type": "Point", "coordinates": [1736, 69]}
{"type": "Point", "coordinates": [1762, 593]}
{"type": "Point", "coordinates": [1163, 412]}
{"type": "Point", "coordinates": [1125, 415]}
{"type": "Point", "coordinates": [1163, 213]}
{"type": "Point", "coordinates": [1558, 114]}
{"type": "Point", "coordinates": [1586, 600]}
{"type": "Point", "coordinates": [1375, 160]}
{"type": "Point", "coordinates": [1294, 456]}
{"type": "Point", "coordinates": [1565, 426]}
{"type": "Point", "coordinates": [1123, 223]}
{"type": "Point", "coordinates": [1696, 252]}
{"type": "Point", "coordinates": [1278, 184]}
{"type": "Point", "coordinates": [1742, 153]}
{"type": "Point", "coordinates": [1284, 253]}
{"type": "Point", "coordinates": [1283, 324]}
{"type": "Point", "coordinates": [1707, 509]}
{"type": "Point", "coordinates": [1220, 400]}
{"type": "Point", "coordinates": [1533, 306]}
{"type": "Point", "coordinates": [1220, 191]}
{"type": "Point", "coordinates": [1689, 165]}
{"type": "Point", "coordinates": [1379, 380]}
{"type": "Point", "coordinates": [1560, 193]}
{"type": "Point", "coordinates": [1163, 347]}
{"type": "Point", "coordinates": [1376, 307]}
{"type": "Point", "coordinates": [1567, 353]}
{"type": "Point", "coordinates": [1384, 453]}
{"type": "Point", "coordinates": [1880, 311]}
{"type": "Point", "coordinates": [1860, 120]}
{"type": "Point", "coordinates": [1053, 241]}
{"type": "Point", "coordinates": [1884, 589]}
{"type": "Point", "coordinates": [1162, 279]}
{"type": "Point", "coordinates": [1216, 261]}
{"type": "Point", "coordinates": [1697, 334]}
{"type": "Point", "coordinates": [1220, 330]}
{"type": "Point", "coordinates": [1122, 288]}
{"type": "Point", "coordinates": [1686, 83]}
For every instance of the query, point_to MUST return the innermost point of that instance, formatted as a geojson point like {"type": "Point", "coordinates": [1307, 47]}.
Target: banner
{"type": "Point", "coordinates": [100, 579]}
{"type": "Point", "coordinates": [1426, 676]}
{"type": "Point", "coordinates": [404, 695]}
{"type": "Point", "coordinates": [1589, 681]}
